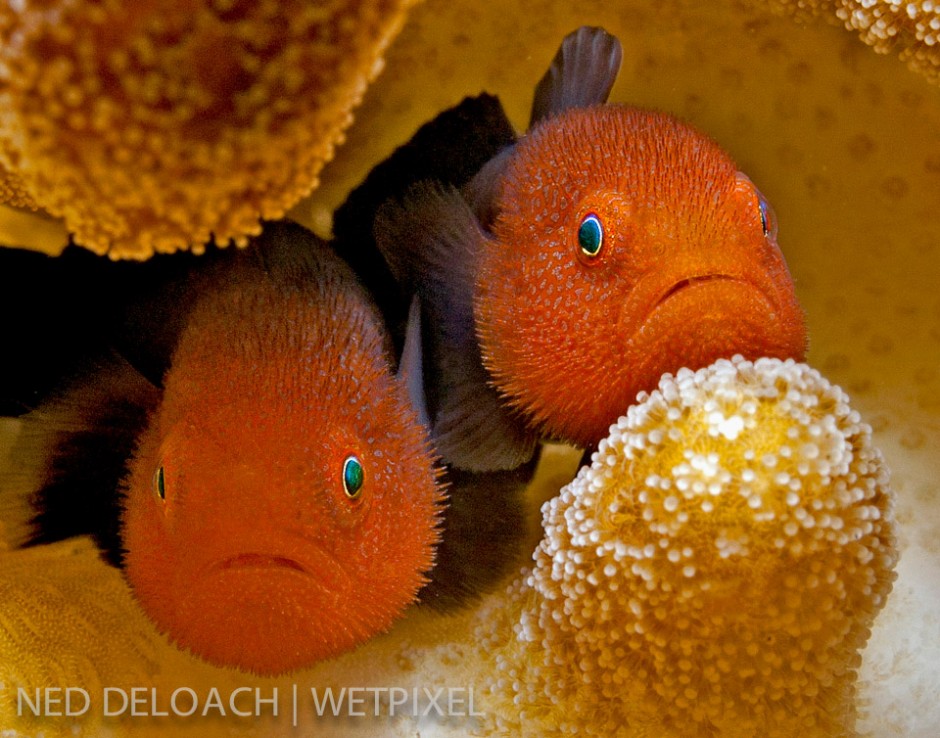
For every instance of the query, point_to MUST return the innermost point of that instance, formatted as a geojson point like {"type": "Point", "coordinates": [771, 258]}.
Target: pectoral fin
{"type": "Point", "coordinates": [483, 532]}
{"type": "Point", "coordinates": [450, 149]}
{"type": "Point", "coordinates": [410, 366]}
{"type": "Point", "coordinates": [69, 458]}
{"type": "Point", "coordinates": [431, 241]}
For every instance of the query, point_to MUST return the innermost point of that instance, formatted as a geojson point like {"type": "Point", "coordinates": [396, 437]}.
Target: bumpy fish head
{"type": "Point", "coordinates": [626, 245]}
{"type": "Point", "coordinates": [282, 507]}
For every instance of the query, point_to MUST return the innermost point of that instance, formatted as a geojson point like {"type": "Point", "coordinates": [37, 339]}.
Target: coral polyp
{"type": "Point", "coordinates": [714, 571]}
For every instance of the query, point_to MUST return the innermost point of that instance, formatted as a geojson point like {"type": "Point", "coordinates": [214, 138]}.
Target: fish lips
{"type": "Point", "coordinates": [712, 315]}
{"type": "Point", "coordinates": [304, 561]}
{"type": "Point", "coordinates": [269, 613]}
{"type": "Point", "coordinates": [691, 283]}
{"type": "Point", "coordinates": [258, 561]}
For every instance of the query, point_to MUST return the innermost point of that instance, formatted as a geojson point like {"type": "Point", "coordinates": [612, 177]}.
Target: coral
{"type": "Point", "coordinates": [12, 192]}
{"type": "Point", "coordinates": [714, 571]}
{"type": "Point", "coordinates": [911, 29]}
{"type": "Point", "coordinates": [156, 126]}
{"type": "Point", "coordinates": [56, 602]}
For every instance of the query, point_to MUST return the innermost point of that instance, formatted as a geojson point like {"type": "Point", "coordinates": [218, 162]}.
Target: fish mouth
{"type": "Point", "coordinates": [691, 297]}
{"type": "Point", "coordinates": [317, 566]}
{"type": "Point", "coordinates": [688, 282]}
{"type": "Point", "coordinates": [258, 561]}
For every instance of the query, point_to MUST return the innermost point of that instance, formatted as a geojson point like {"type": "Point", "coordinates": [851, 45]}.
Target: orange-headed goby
{"type": "Point", "coordinates": [280, 503]}
{"type": "Point", "coordinates": [281, 507]}
{"type": "Point", "coordinates": [605, 247]}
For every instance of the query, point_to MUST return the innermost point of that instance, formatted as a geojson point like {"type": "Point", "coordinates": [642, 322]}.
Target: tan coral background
{"type": "Point", "coordinates": [845, 144]}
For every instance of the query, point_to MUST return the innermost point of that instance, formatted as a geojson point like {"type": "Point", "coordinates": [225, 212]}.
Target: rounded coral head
{"type": "Point", "coordinates": [717, 568]}
{"type": "Point", "coordinates": [626, 245]}
{"type": "Point", "coordinates": [282, 507]}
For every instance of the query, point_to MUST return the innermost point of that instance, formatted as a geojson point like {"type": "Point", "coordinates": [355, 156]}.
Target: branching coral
{"type": "Point", "coordinates": [154, 126]}
{"type": "Point", "coordinates": [715, 571]}
{"type": "Point", "coordinates": [911, 29]}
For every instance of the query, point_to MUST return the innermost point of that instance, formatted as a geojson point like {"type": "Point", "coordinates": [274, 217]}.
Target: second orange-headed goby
{"type": "Point", "coordinates": [603, 248]}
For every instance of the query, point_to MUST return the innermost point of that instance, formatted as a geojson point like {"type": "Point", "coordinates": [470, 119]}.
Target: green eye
{"type": "Point", "coordinates": [591, 236]}
{"type": "Point", "coordinates": [353, 477]}
{"type": "Point", "coordinates": [159, 484]}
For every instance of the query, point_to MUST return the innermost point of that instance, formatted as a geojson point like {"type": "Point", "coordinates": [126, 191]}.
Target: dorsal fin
{"type": "Point", "coordinates": [57, 312]}
{"type": "Point", "coordinates": [581, 74]}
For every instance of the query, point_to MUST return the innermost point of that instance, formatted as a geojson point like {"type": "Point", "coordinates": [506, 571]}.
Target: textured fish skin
{"type": "Point", "coordinates": [86, 352]}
